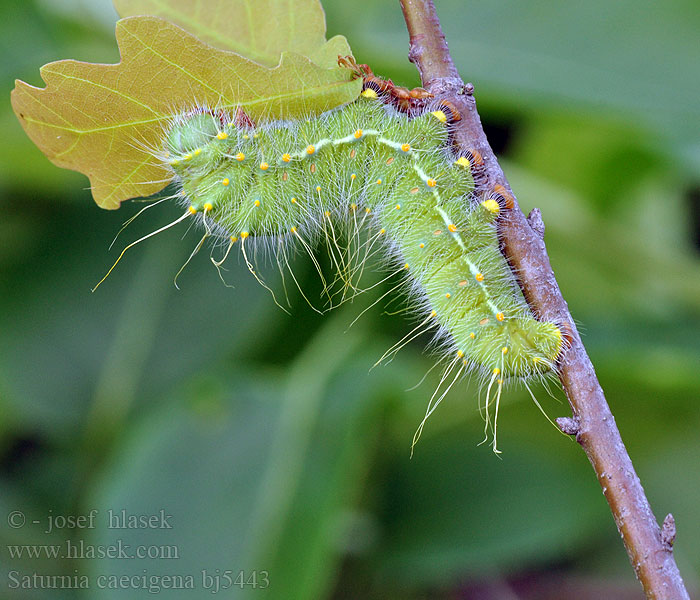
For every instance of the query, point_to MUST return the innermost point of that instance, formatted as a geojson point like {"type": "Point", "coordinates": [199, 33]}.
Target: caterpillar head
{"type": "Point", "coordinates": [191, 133]}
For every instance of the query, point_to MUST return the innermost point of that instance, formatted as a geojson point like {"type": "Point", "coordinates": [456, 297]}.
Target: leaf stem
{"type": "Point", "coordinates": [593, 424]}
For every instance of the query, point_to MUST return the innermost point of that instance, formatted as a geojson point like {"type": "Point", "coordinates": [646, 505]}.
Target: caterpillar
{"type": "Point", "coordinates": [389, 183]}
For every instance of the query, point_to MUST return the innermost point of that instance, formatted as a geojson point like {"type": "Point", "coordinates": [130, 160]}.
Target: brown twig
{"type": "Point", "coordinates": [592, 423]}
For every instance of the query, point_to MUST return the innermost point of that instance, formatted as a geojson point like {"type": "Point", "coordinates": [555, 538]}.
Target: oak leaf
{"type": "Point", "coordinates": [257, 29]}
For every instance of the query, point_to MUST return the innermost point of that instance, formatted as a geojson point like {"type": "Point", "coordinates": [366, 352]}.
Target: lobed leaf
{"type": "Point", "coordinates": [257, 29]}
{"type": "Point", "coordinates": [106, 120]}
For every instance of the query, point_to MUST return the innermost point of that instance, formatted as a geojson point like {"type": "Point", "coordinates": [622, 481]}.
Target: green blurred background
{"type": "Point", "coordinates": [265, 437]}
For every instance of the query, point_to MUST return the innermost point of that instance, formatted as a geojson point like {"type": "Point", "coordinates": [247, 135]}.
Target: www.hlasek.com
{"type": "Point", "coordinates": [79, 550]}
{"type": "Point", "coordinates": [214, 581]}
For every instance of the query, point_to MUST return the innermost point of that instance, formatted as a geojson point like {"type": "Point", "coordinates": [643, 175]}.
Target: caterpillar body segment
{"type": "Point", "coordinates": [292, 178]}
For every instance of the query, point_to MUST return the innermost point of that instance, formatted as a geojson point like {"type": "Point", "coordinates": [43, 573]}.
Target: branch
{"type": "Point", "coordinates": [592, 422]}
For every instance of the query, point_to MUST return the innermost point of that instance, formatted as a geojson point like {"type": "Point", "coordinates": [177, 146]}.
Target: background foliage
{"type": "Point", "coordinates": [265, 437]}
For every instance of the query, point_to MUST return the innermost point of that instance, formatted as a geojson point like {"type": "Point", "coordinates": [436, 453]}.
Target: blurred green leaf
{"type": "Point", "coordinates": [63, 345]}
{"type": "Point", "coordinates": [477, 514]}
{"type": "Point", "coordinates": [272, 470]}
{"type": "Point", "coordinates": [622, 265]}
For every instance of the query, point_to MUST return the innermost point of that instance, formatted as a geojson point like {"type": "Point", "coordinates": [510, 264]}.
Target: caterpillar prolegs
{"type": "Point", "coordinates": [366, 167]}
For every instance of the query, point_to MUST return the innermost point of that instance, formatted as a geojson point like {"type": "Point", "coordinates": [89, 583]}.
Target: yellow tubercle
{"type": "Point", "coordinates": [240, 156]}
{"type": "Point", "coordinates": [479, 277]}
{"type": "Point", "coordinates": [560, 342]}
{"type": "Point", "coordinates": [431, 182]}
{"type": "Point", "coordinates": [504, 350]}
{"type": "Point", "coordinates": [208, 206]}
{"type": "Point", "coordinates": [286, 157]}
{"type": "Point", "coordinates": [379, 182]}
{"type": "Point", "coordinates": [440, 116]}
{"type": "Point", "coordinates": [382, 231]}
{"type": "Point", "coordinates": [369, 93]}
{"type": "Point", "coordinates": [398, 207]}
{"type": "Point", "coordinates": [318, 188]}
{"type": "Point", "coordinates": [448, 295]}
{"type": "Point", "coordinates": [492, 206]}
{"type": "Point", "coordinates": [198, 151]}
{"type": "Point", "coordinates": [244, 234]}
{"type": "Point", "coordinates": [462, 161]}
{"type": "Point", "coordinates": [406, 266]}
{"type": "Point", "coordinates": [310, 149]}
{"type": "Point", "coordinates": [405, 147]}
{"type": "Point", "coordinates": [358, 134]}
{"type": "Point", "coordinates": [421, 245]}
{"type": "Point", "coordinates": [353, 177]}
{"type": "Point", "coordinates": [192, 210]}
{"type": "Point", "coordinates": [500, 316]}
{"type": "Point", "coordinates": [433, 314]}
{"type": "Point", "coordinates": [187, 157]}
{"type": "Point", "coordinates": [294, 200]}
{"type": "Point", "coordinates": [222, 135]}
{"type": "Point", "coordinates": [257, 203]}
{"type": "Point", "coordinates": [264, 166]}
{"type": "Point", "coordinates": [472, 335]}
{"type": "Point", "coordinates": [496, 371]}
{"type": "Point", "coordinates": [460, 353]}
{"type": "Point", "coordinates": [293, 230]}
{"type": "Point", "coordinates": [225, 181]}
{"type": "Point", "coordinates": [452, 228]}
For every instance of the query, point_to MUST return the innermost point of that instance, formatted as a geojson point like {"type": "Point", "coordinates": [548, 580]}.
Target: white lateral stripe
{"type": "Point", "coordinates": [445, 217]}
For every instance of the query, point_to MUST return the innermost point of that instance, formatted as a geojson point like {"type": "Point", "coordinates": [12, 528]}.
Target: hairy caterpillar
{"type": "Point", "coordinates": [367, 170]}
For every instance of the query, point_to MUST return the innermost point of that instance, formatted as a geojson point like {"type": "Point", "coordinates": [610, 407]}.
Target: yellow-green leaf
{"type": "Point", "coordinates": [257, 29]}
{"type": "Point", "coordinates": [102, 119]}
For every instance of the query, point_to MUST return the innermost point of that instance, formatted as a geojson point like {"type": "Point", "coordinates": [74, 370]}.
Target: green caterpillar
{"type": "Point", "coordinates": [367, 167]}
